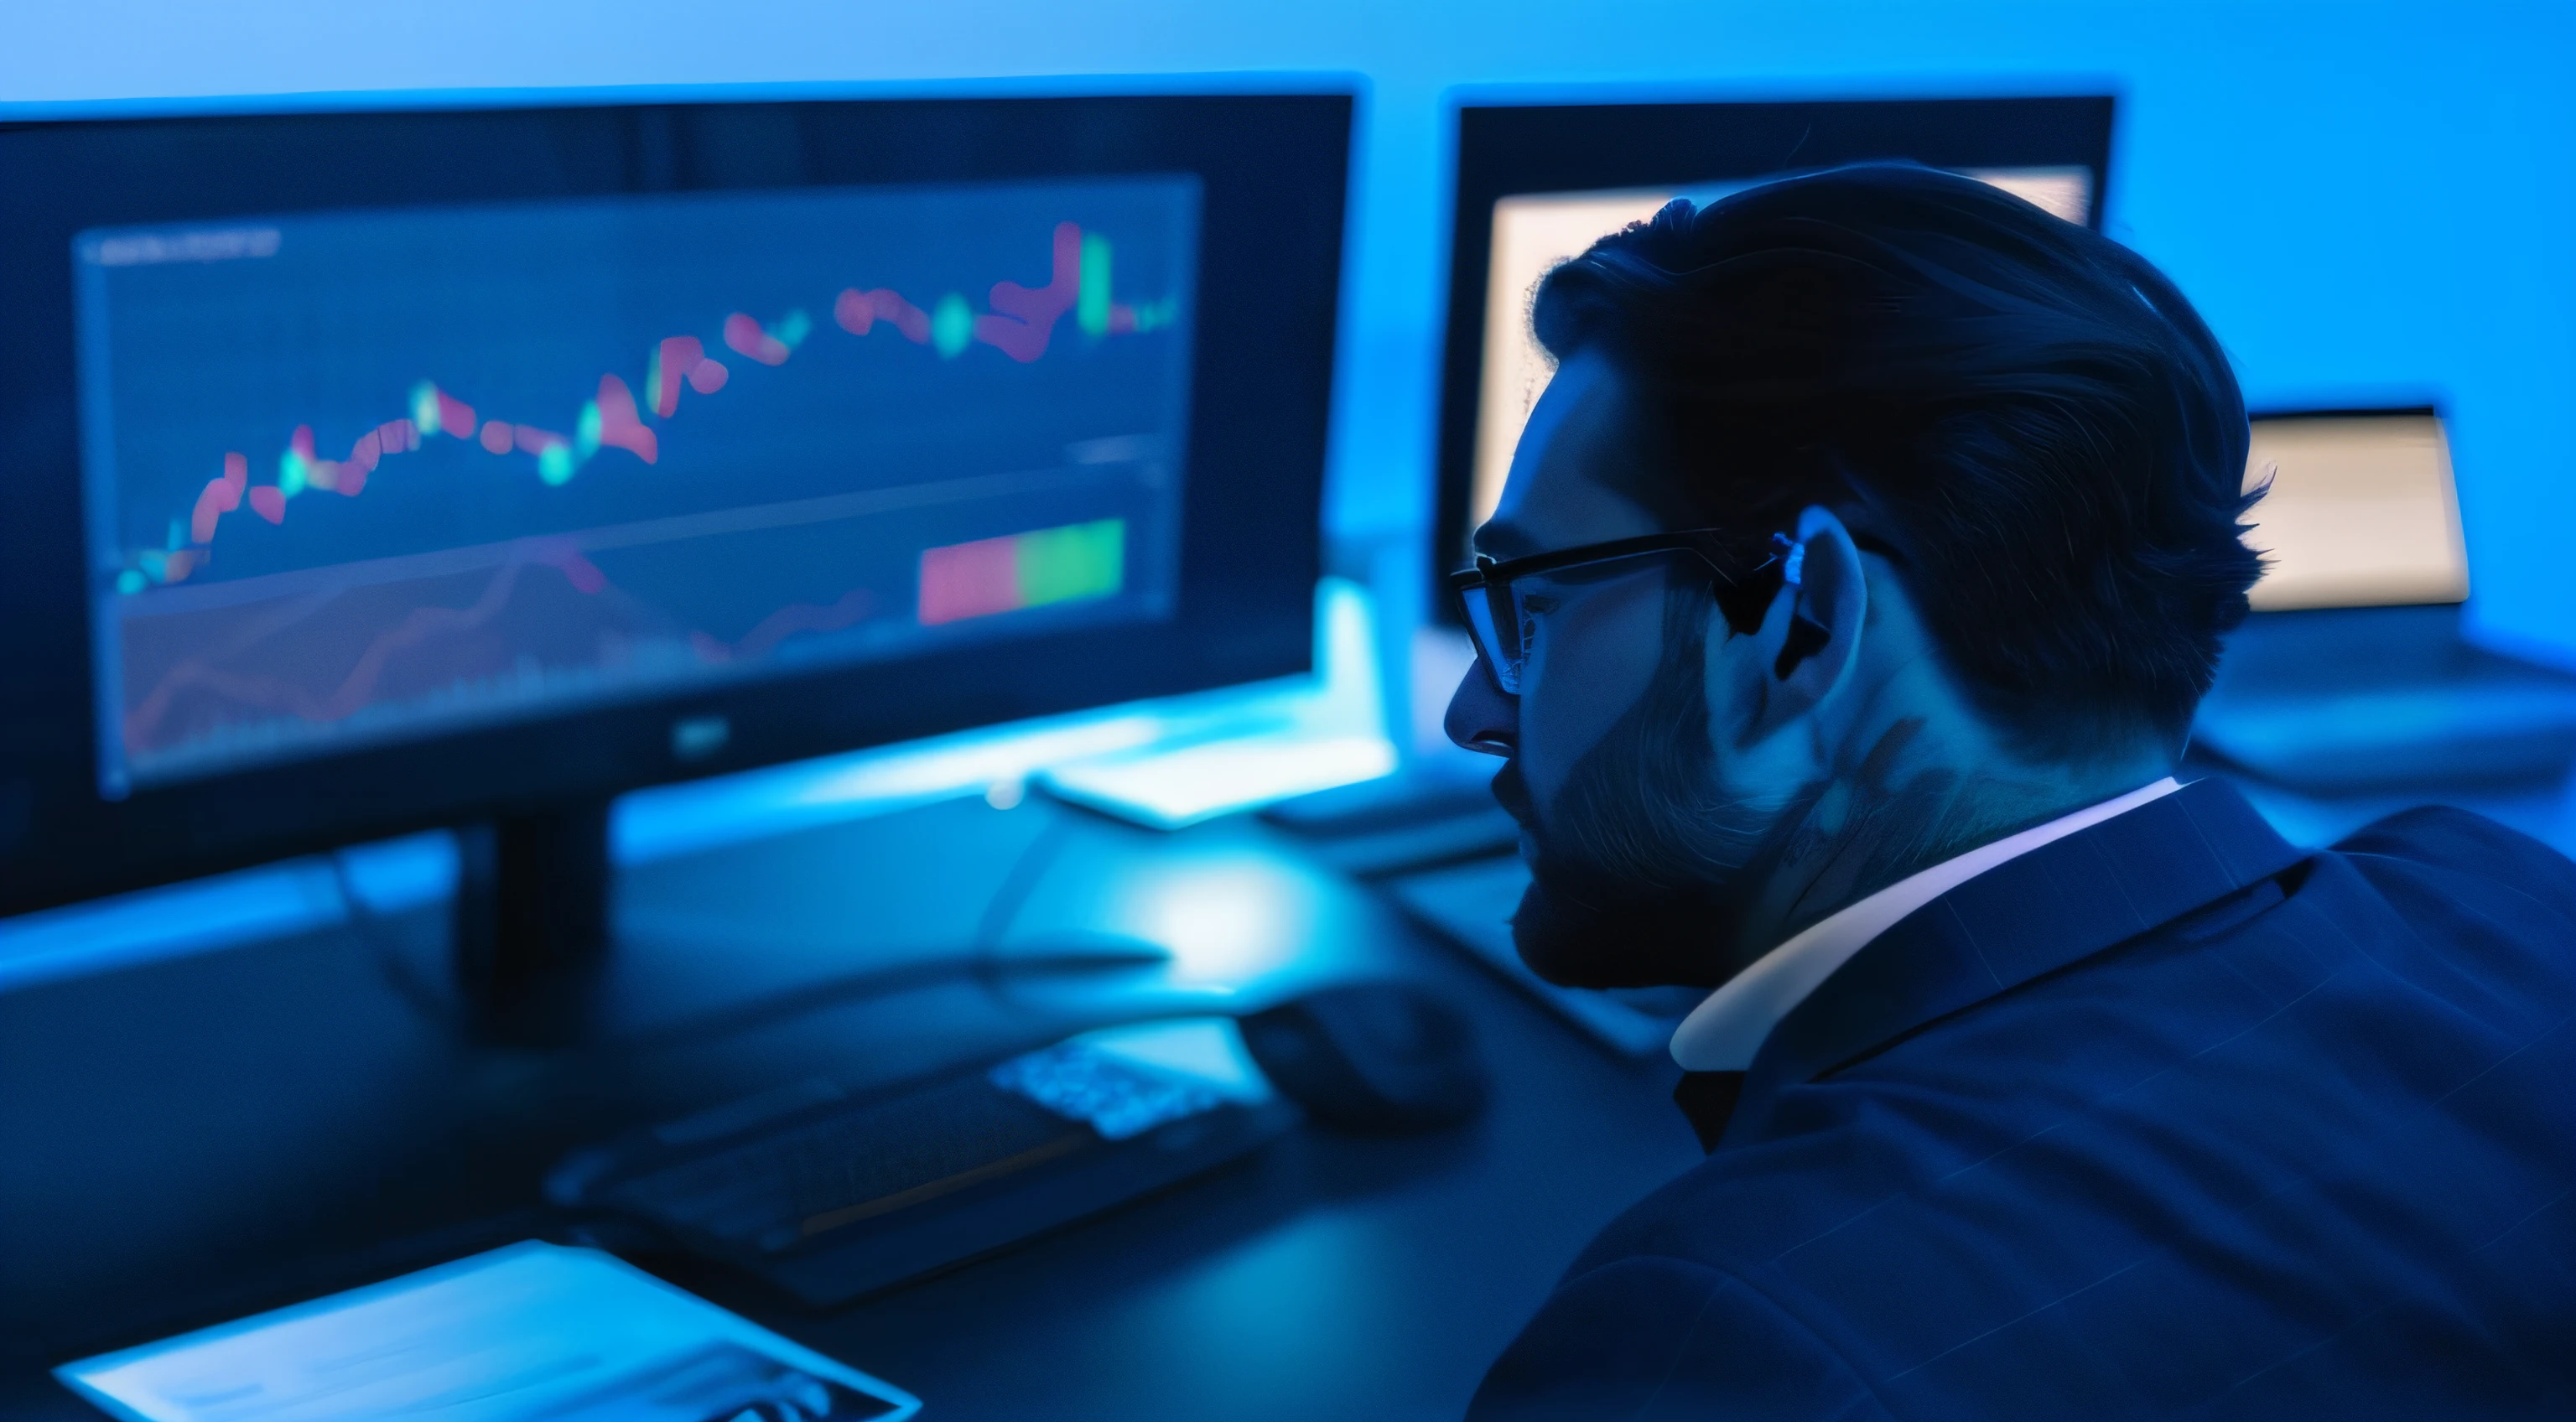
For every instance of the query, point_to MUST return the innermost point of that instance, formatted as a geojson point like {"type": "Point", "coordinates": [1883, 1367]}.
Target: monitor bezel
{"type": "Point", "coordinates": [1274, 169]}
{"type": "Point", "coordinates": [1537, 144]}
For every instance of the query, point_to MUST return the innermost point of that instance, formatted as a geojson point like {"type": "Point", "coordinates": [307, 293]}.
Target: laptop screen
{"type": "Point", "coordinates": [2362, 512]}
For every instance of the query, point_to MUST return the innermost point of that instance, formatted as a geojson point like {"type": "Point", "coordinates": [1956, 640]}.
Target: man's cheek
{"type": "Point", "coordinates": [1595, 656]}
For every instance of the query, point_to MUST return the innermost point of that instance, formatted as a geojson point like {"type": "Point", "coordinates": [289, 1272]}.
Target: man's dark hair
{"type": "Point", "coordinates": [2027, 415]}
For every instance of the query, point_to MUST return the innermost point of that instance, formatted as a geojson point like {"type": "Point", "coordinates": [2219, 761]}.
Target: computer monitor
{"type": "Point", "coordinates": [1537, 182]}
{"type": "Point", "coordinates": [2361, 512]}
{"type": "Point", "coordinates": [376, 470]}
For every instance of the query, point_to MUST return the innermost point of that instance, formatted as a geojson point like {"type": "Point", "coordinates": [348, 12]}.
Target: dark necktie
{"type": "Point", "coordinates": [1707, 1099]}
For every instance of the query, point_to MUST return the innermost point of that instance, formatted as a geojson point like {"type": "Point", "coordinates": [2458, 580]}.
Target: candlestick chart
{"type": "Point", "coordinates": [385, 474]}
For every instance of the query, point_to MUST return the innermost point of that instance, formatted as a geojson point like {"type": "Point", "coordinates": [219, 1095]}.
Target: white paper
{"type": "Point", "coordinates": [525, 1332]}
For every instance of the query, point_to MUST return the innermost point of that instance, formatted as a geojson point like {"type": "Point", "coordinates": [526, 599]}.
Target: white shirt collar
{"type": "Point", "coordinates": [1728, 1027]}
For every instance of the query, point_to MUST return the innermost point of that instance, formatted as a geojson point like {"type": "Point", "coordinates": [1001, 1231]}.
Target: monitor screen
{"type": "Point", "coordinates": [1539, 182]}
{"type": "Point", "coordinates": [377, 470]}
{"type": "Point", "coordinates": [2361, 511]}
{"type": "Point", "coordinates": [460, 465]}
{"type": "Point", "coordinates": [1535, 232]}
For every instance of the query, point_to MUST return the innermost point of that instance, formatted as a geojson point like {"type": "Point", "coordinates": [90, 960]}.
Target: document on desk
{"type": "Point", "coordinates": [532, 1331]}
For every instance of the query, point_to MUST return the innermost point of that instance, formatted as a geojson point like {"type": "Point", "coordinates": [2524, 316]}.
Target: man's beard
{"type": "Point", "coordinates": [1643, 870]}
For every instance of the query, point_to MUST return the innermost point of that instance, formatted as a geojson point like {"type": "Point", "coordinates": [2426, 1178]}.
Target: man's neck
{"type": "Point", "coordinates": [1914, 800]}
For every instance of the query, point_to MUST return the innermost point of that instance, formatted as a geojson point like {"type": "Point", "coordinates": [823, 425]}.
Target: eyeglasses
{"type": "Point", "coordinates": [1499, 611]}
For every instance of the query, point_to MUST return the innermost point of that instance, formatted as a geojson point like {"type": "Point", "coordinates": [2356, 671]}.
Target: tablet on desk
{"type": "Point", "coordinates": [526, 1332]}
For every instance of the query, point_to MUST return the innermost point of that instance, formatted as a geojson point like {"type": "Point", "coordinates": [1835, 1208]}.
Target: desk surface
{"type": "Point", "coordinates": [218, 1134]}
{"type": "Point", "coordinates": [198, 1138]}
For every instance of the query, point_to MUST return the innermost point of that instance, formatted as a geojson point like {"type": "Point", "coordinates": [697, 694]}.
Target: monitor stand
{"type": "Point", "coordinates": [532, 922]}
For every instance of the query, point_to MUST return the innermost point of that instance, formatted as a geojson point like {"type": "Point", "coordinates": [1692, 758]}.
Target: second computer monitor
{"type": "Point", "coordinates": [1539, 182]}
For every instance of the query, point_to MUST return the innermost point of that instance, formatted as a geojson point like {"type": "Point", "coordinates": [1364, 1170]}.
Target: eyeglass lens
{"type": "Point", "coordinates": [1498, 615]}
{"type": "Point", "coordinates": [1501, 630]}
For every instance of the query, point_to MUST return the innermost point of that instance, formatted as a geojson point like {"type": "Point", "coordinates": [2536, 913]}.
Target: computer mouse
{"type": "Point", "coordinates": [1372, 1058]}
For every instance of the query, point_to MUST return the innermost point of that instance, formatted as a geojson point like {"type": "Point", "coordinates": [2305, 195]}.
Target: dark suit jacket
{"type": "Point", "coordinates": [2166, 1118]}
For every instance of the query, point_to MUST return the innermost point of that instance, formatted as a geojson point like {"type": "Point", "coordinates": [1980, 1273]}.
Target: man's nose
{"type": "Point", "coordinates": [1482, 718]}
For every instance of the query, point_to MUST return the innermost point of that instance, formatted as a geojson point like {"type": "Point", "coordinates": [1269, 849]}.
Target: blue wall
{"type": "Point", "coordinates": [2369, 201]}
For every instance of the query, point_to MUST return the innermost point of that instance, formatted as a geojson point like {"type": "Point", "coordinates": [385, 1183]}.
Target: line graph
{"type": "Point", "coordinates": [1020, 324]}
{"type": "Point", "coordinates": [358, 687]}
{"type": "Point", "coordinates": [353, 691]}
{"type": "Point", "coordinates": [402, 471]}
{"type": "Point", "coordinates": [331, 660]}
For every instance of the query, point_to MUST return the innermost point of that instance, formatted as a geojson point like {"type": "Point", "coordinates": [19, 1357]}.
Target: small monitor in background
{"type": "Point", "coordinates": [1537, 183]}
{"type": "Point", "coordinates": [2361, 512]}
{"type": "Point", "coordinates": [1534, 233]}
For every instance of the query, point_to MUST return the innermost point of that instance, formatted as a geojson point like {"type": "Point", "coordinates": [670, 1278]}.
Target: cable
{"type": "Point", "coordinates": [983, 951]}
{"type": "Point", "coordinates": [439, 1009]}
{"type": "Point", "coordinates": [982, 961]}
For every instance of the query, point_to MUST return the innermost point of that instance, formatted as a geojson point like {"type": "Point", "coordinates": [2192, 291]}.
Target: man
{"type": "Point", "coordinates": [1841, 624]}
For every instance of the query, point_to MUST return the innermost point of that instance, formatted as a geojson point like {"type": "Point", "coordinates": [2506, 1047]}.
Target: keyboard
{"type": "Point", "coordinates": [832, 1197]}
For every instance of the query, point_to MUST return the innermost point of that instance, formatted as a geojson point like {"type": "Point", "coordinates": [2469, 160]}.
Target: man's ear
{"type": "Point", "coordinates": [1810, 638]}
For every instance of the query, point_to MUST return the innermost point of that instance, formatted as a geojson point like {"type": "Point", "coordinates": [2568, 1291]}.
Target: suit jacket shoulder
{"type": "Point", "coordinates": [2299, 1143]}
{"type": "Point", "coordinates": [2436, 849]}
{"type": "Point", "coordinates": [1651, 1336]}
